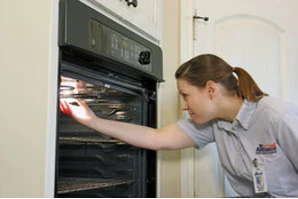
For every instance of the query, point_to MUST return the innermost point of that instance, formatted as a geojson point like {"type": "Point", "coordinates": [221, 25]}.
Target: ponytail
{"type": "Point", "coordinates": [247, 87]}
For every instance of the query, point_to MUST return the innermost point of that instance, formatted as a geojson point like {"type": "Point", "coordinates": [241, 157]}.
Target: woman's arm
{"type": "Point", "coordinates": [169, 137]}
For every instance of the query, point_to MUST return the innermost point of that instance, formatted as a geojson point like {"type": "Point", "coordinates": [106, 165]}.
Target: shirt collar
{"type": "Point", "coordinates": [243, 117]}
{"type": "Point", "coordinates": [245, 113]}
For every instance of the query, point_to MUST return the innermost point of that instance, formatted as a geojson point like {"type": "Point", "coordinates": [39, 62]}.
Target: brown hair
{"type": "Point", "coordinates": [202, 68]}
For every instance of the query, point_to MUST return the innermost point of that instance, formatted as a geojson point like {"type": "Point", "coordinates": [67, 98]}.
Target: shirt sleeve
{"type": "Point", "coordinates": [200, 134]}
{"type": "Point", "coordinates": [286, 129]}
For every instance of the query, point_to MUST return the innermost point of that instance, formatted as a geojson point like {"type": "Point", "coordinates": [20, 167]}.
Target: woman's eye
{"type": "Point", "coordinates": [184, 96]}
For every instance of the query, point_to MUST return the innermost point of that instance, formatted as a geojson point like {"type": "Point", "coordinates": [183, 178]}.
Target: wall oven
{"type": "Point", "coordinates": [116, 72]}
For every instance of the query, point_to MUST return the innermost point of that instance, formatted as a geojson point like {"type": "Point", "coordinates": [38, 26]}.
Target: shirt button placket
{"type": "Point", "coordinates": [239, 154]}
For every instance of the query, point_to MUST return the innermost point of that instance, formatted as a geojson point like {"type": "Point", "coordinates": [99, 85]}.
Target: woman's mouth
{"type": "Point", "coordinates": [190, 114]}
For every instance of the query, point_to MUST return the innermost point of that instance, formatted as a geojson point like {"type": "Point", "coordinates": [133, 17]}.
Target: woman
{"type": "Point", "coordinates": [256, 135]}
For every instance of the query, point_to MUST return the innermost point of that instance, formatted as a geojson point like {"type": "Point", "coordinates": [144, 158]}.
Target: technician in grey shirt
{"type": "Point", "coordinates": [256, 135]}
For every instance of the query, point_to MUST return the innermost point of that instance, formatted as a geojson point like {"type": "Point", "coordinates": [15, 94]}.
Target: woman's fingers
{"type": "Point", "coordinates": [64, 107]}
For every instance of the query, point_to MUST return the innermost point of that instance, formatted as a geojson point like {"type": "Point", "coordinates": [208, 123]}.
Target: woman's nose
{"type": "Point", "coordinates": [184, 106]}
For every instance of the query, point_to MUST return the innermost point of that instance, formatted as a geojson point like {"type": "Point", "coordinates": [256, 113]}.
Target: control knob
{"type": "Point", "coordinates": [145, 57]}
{"type": "Point", "coordinates": [134, 3]}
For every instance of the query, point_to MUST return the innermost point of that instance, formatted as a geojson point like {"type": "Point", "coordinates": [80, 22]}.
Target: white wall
{"type": "Point", "coordinates": [170, 113]}
{"type": "Point", "coordinates": [24, 79]}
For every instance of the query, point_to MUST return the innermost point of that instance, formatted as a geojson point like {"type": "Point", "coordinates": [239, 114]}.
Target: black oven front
{"type": "Point", "coordinates": [116, 72]}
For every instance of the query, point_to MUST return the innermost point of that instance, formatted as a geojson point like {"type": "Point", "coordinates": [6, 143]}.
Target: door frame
{"type": "Point", "coordinates": [186, 52]}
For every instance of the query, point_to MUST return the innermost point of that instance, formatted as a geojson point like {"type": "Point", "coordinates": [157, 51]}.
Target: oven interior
{"type": "Point", "coordinates": [90, 164]}
{"type": "Point", "coordinates": [94, 165]}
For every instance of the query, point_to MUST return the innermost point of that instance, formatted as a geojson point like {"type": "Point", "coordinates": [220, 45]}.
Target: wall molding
{"type": "Point", "coordinates": [186, 52]}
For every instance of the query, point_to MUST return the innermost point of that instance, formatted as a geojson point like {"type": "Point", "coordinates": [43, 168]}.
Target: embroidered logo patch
{"type": "Point", "coordinates": [266, 148]}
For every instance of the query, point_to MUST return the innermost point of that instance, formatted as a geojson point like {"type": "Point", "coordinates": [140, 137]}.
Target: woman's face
{"type": "Point", "coordinates": [197, 101]}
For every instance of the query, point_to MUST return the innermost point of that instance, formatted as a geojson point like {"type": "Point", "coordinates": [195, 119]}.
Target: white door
{"type": "Point", "coordinates": [259, 36]}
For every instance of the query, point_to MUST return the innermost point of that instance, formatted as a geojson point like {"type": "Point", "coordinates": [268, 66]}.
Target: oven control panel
{"type": "Point", "coordinates": [84, 31]}
{"type": "Point", "coordinates": [107, 41]}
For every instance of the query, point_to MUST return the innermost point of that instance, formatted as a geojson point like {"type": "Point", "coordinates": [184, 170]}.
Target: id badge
{"type": "Point", "coordinates": [259, 177]}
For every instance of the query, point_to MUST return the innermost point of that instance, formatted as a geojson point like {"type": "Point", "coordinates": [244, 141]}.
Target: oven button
{"type": "Point", "coordinates": [144, 57]}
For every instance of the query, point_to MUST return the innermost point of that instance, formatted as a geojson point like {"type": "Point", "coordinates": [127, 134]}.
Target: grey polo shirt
{"type": "Point", "coordinates": [267, 130]}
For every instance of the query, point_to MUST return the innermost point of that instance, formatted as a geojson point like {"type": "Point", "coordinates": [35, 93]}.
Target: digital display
{"type": "Point", "coordinates": [121, 47]}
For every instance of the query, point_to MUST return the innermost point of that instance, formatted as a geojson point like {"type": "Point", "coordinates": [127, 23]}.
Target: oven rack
{"type": "Point", "coordinates": [89, 139]}
{"type": "Point", "coordinates": [67, 185]}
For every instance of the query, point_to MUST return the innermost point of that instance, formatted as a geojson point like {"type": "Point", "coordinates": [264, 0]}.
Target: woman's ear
{"type": "Point", "coordinates": [211, 88]}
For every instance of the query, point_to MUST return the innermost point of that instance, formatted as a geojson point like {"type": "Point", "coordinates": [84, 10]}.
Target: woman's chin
{"type": "Point", "coordinates": [199, 121]}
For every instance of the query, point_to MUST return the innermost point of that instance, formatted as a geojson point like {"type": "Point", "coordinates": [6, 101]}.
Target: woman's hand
{"type": "Point", "coordinates": [78, 110]}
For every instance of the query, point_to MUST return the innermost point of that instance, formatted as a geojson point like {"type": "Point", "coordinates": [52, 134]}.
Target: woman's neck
{"type": "Point", "coordinates": [230, 107]}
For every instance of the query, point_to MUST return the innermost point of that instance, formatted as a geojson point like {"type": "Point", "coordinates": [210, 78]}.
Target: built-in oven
{"type": "Point", "coordinates": [116, 72]}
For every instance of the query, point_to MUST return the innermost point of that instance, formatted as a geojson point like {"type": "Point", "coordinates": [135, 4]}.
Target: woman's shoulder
{"type": "Point", "coordinates": [275, 106]}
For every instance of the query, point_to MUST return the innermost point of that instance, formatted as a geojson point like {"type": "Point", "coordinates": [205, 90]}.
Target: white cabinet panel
{"type": "Point", "coordinates": [144, 18]}
{"type": "Point", "coordinates": [147, 16]}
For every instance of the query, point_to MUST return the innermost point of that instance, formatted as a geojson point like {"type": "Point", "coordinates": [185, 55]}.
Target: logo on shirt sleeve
{"type": "Point", "coordinates": [264, 149]}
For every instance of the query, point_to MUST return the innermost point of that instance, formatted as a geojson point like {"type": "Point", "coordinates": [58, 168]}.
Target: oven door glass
{"type": "Point", "coordinates": [90, 164]}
